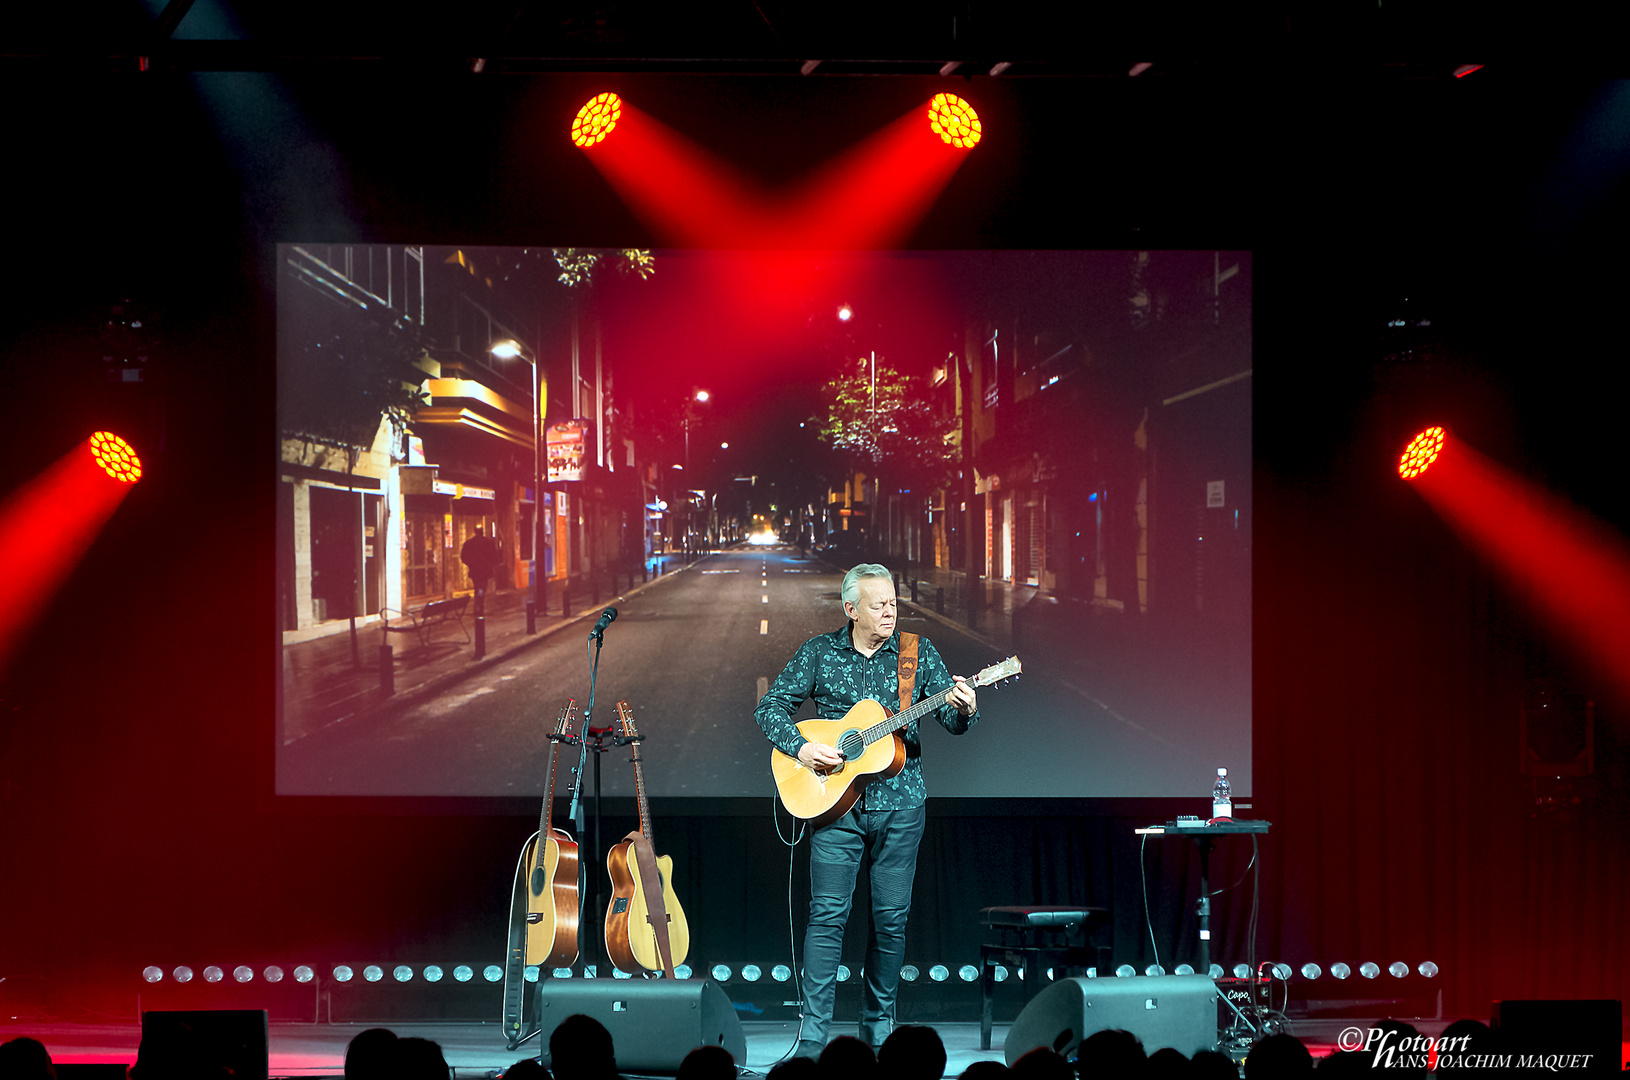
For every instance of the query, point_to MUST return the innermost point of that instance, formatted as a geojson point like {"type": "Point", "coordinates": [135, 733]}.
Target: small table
{"type": "Point", "coordinates": [1204, 835]}
{"type": "Point", "coordinates": [1029, 937]}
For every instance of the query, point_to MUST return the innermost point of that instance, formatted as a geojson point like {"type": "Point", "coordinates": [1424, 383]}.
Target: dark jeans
{"type": "Point", "coordinates": [890, 838]}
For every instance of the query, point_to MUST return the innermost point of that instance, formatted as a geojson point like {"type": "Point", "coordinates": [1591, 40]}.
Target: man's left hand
{"type": "Point", "coordinates": [962, 696]}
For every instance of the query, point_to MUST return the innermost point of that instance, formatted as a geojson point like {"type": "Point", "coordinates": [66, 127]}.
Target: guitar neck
{"type": "Point", "coordinates": [546, 815]}
{"type": "Point", "coordinates": [625, 715]}
{"type": "Point", "coordinates": [905, 717]}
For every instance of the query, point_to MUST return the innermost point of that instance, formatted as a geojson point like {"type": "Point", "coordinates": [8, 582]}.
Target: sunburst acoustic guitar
{"type": "Point", "coordinates": [645, 926]}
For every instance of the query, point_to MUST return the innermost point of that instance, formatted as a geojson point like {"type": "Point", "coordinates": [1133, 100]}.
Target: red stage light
{"type": "Point", "coordinates": [596, 119]}
{"type": "Point", "coordinates": [1423, 450]}
{"type": "Point", "coordinates": [116, 457]}
{"type": "Point", "coordinates": [955, 121]}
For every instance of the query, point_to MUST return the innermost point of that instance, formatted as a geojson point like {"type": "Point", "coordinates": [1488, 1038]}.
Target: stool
{"type": "Point", "coordinates": [1035, 938]}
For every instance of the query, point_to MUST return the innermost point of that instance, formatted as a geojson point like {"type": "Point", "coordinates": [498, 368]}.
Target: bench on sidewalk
{"type": "Point", "coordinates": [424, 619]}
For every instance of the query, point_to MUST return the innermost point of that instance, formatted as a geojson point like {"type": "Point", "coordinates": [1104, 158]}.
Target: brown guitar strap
{"type": "Point", "coordinates": [908, 668]}
{"type": "Point", "coordinates": [655, 907]}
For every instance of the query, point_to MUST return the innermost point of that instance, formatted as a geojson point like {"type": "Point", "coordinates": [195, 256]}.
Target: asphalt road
{"type": "Point", "coordinates": [692, 653]}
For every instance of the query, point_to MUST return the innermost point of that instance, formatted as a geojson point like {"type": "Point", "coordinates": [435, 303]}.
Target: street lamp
{"type": "Point", "coordinates": [538, 603]}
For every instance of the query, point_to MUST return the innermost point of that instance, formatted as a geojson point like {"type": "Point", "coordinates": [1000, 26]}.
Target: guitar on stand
{"type": "Point", "coordinates": [545, 908]}
{"type": "Point", "coordinates": [645, 926]}
{"type": "Point", "coordinates": [866, 738]}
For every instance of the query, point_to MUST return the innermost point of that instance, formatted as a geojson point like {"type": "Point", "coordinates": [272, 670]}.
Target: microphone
{"type": "Point", "coordinates": [606, 618]}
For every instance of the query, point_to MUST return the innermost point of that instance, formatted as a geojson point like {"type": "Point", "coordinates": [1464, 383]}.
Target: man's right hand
{"type": "Point", "coordinates": [816, 755]}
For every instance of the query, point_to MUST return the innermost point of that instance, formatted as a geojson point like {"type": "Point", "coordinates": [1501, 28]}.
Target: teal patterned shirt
{"type": "Point", "coordinates": [829, 670]}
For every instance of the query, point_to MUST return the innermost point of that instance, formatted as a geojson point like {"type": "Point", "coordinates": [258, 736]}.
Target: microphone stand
{"type": "Point", "coordinates": [586, 882]}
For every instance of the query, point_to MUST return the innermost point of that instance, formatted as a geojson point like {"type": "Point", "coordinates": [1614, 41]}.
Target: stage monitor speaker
{"type": "Point", "coordinates": [233, 1038]}
{"type": "Point", "coordinates": [1179, 1011]}
{"type": "Point", "coordinates": [1566, 1028]}
{"type": "Point", "coordinates": [654, 1023]}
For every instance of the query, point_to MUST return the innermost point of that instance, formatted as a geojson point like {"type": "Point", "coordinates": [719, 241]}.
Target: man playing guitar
{"type": "Point", "coordinates": [837, 670]}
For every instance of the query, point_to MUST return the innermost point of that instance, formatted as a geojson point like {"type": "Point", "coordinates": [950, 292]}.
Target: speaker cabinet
{"type": "Point", "coordinates": [1179, 1011]}
{"type": "Point", "coordinates": [654, 1023]}
{"type": "Point", "coordinates": [172, 1042]}
{"type": "Point", "coordinates": [1567, 1028]}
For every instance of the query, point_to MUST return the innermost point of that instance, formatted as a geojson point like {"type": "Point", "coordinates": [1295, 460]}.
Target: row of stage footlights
{"type": "Point", "coordinates": [492, 973]}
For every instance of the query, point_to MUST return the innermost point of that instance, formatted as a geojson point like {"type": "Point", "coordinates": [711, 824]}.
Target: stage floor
{"type": "Point", "coordinates": [472, 1049]}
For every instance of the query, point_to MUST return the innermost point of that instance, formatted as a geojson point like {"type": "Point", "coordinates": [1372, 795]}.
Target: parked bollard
{"type": "Point", "coordinates": [939, 599]}
{"type": "Point", "coordinates": [913, 590]}
{"type": "Point", "coordinates": [387, 670]}
{"type": "Point", "coordinates": [565, 598]}
{"type": "Point", "coordinates": [531, 616]}
{"type": "Point", "coordinates": [480, 636]}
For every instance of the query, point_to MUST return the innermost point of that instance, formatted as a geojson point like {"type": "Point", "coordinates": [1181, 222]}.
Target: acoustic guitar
{"type": "Point", "coordinates": [645, 926]}
{"type": "Point", "coordinates": [866, 738]}
{"type": "Point", "coordinates": [552, 901]}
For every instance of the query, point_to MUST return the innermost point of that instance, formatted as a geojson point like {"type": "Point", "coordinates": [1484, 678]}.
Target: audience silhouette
{"type": "Point", "coordinates": [25, 1059]}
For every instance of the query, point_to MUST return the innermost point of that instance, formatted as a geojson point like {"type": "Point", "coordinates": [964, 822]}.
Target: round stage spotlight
{"type": "Point", "coordinates": [433, 973]}
{"type": "Point", "coordinates": [720, 972]}
{"type": "Point", "coordinates": [152, 974]}
{"type": "Point", "coordinates": [752, 972]}
{"type": "Point", "coordinates": [531, 973]}
{"type": "Point", "coordinates": [183, 974]}
{"type": "Point", "coordinates": [1369, 969]}
{"type": "Point", "coordinates": [373, 973]}
{"type": "Point", "coordinates": [781, 973]}
{"type": "Point", "coordinates": [1340, 971]}
{"type": "Point", "coordinates": [562, 973]}
{"type": "Point", "coordinates": [1154, 969]}
{"type": "Point", "coordinates": [619, 973]}
{"type": "Point", "coordinates": [1427, 969]}
{"type": "Point", "coordinates": [683, 971]}
{"type": "Point", "coordinates": [967, 973]}
{"type": "Point", "coordinates": [492, 973]}
{"type": "Point", "coordinates": [117, 458]}
{"type": "Point", "coordinates": [1183, 969]}
{"type": "Point", "coordinates": [955, 121]}
{"type": "Point", "coordinates": [1311, 971]}
{"type": "Point", "coordinates": [243, 973]}
{"type": "Point", "coordinates": [464, 973]}
{"type": "Point", "coordinates": [909, 973]}
{"type": "Point", "coordinates": [939, 973]}
{"type": "Point", "coordinates": [844, 973]}
{"type": "Point", "coordinates": [998, 973]}
{"type": "Point", "coordinates": [1125, 971]}
{"type": "Point", "coordinates": [402, 973]}
{"type": "Point", "coordinates": [343, 973]}
{"type": "Point", "coordinates": [1421, 452]}
{"type": "Point", "coordinates": [213, 974]}
{"type": "Point", "coordinates": [274, 974]}
{"type": "Point", "coordinates": [596, 119]}
{"type": "Point", "coordinates": [1242, 971]}
{"type": "Point", "coordinates": [1397, 969]}
{"type": "Point", "coordinates": [304, 974]}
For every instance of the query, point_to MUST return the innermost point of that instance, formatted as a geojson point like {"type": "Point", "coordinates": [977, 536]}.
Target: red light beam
{"type": "Point", "coordinates": [46, 527]}
{"type": "Point", "coordinates": [1572, 568]}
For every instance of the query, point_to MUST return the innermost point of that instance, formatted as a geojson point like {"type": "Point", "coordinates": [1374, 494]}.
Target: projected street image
{"type": "Point", "coordinates": [484, 450]}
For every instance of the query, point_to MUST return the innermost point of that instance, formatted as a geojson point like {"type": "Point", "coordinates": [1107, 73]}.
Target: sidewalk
{"type": "Point", "coordinates": [325, 680]}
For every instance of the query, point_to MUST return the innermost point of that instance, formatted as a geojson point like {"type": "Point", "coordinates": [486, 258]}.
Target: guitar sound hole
{"type": "Point", "coordinates": [851, 745]}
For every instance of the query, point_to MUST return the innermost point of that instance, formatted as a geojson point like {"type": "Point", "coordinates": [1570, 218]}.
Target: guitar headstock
{"type": "Point", "coordinates": [625, 720]}
{"type": "Point", "coordinates": [563, 725]}
{"type": "Point", "coordinates": [997, 672]}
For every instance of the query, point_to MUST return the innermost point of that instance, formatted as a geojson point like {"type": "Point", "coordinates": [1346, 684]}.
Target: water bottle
{"type": "Point", "coordinates": [1222, 797]}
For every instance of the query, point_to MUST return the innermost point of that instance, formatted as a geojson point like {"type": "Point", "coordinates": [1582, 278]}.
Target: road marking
{"type": "Point", "coordinates": [721, 571]}
{"type": "Point", "coordinates": [763, 687]}
{"type": "Point", "coordinates": [763, 626]}
{"type": "Point", "coordinates": [765, 598]}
